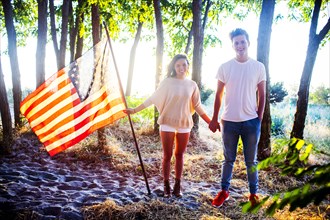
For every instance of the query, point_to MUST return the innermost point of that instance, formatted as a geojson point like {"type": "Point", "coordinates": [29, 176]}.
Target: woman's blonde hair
{"type": "Point", "coordinates": [170, 68]}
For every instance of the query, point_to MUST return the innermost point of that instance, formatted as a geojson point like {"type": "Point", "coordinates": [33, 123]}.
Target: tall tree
{"type": "Point", "coordinates": [132, 59]}
{"type": "Point", "coordinates": [137, 15]}
{"type": "Point", "coordinates": [41, 42]}
{"type": "Point", "coordinates": [198, 34]}
{"type": "Point", "coordinates": [12, 49]}
{"type": "Point", "coordinates": [96, 32]}
{"type": "Point", "coordinates": [303, 92]}
{"type": "Point", "coordinates": [204, 22]}
{"type": "Point", "coordinates": [79, 24]}
{"type": "Point", "coordinates": [159, 51]}
{"type": "Point", "coordinates": [61, 50]}
{"type": "Point", "coordinates": [264, 35]}
{"type": "Point", "coordinates": [5, 115]}
{"type": "Point", "coordinates": [72, 31]}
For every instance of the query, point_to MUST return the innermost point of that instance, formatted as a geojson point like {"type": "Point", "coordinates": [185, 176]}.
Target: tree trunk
{"type": "Point", "coordinates": [159, 52]}
{"type": "Point", "coordinates": [42, 41]}
{"type": "Point", "coordinates": [5, 115]}
{"type": "Point", "coordinates": [132, 59]}
{"type": "Point", "coordinates": [102, 139]}
{"type": "Point", "coordinates": [73, 29]}
{"type": "Point", "coordinates": [64, 33]}
{"type": "Point", "coordinates": [79, 24]}
{"type": "Point", "coordinates": [264, 35]}
{"type": "Point", "coordinates": [12, 50]}
{"type": "Point", "coordinates": [190, 35]}
{"type": "Point", "coordinates": [303, 93]}
{"type": "Point", "coordinates": [198, 34]}
{"type": "Point", "coordinates": [53, 31]}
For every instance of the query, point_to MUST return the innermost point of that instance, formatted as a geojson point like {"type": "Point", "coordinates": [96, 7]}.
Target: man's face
{"type": "Point", "coordinates": [240, 45]}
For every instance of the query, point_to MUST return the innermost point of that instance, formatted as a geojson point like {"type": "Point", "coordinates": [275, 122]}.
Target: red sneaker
{"type": "Point", "coordinates": [254, 199]}
{"type": "Point", "coordinates": [222, 196]}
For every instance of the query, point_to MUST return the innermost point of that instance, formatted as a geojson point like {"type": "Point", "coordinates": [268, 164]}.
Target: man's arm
{"type": "Point", "coordinates": [261, 99]}
{"type": "Point", "coordinates": [214, 124]}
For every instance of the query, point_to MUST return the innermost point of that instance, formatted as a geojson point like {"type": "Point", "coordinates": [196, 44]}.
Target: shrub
{"type": "Point", "coordinates": [205, 93]}
{"type": "Point", "coordinates": [277, 92]}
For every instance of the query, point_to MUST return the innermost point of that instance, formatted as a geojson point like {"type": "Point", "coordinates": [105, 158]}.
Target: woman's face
{"type": "Point", "coordinates": [181, 68]}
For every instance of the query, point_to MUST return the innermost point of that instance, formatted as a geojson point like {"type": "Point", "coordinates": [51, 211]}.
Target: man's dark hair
{"type": "Point", "coordinates": [237, 32]}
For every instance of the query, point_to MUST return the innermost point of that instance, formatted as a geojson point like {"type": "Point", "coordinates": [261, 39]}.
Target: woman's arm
{"type": "Point", "coordinates": [206, 118]}
{"type": "Point", "coordinates": [134, 110]}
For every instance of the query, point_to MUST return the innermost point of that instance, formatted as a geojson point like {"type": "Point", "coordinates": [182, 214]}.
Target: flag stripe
{"type": "Point", "coordinates": [59, 117]}
{"type": "Point", "coordinates": [55, 103]}
{"type": "Point", "coordinates": [55, 118]}
{"type": "Point", "coordinates": [59, 89]}
{"type": "Point", "coordinates": [78, 117]}
{"type": "Point", "coordinates": [50, 84]}
{"type": "Point", "coordinates": [64, 113]}
{"type": "Point", "coordinates": [97, 123]}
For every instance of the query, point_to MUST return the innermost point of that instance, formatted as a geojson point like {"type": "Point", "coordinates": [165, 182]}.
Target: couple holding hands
{"type": "Point", "coordinates": [178, 97]}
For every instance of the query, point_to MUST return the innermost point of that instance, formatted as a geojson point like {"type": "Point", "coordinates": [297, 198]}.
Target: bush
{"type": "Point", "coordinates": [205, 94]}
{"type": "Point", "coordinates": [277, 127]}
{"type": "Point", "coordinates": [294, 163]}
{"type": "Point", "coordinates": [277, 93]}
{"type": "Point", "coordinates": [320, 96]}
{"type": "Point", "coordinates": [144, 117]}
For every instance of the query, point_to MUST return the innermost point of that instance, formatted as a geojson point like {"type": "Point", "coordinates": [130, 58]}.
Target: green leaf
{"type": "Point", "coordinates": [306, 153]}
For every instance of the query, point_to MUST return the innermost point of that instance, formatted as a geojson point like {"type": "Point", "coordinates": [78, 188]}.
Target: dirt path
{"type": "Point", "coordinates": [57, 188]}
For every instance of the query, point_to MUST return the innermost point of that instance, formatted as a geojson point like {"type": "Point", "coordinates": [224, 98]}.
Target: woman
{"type": "Point", "coordinates": [176, 100]}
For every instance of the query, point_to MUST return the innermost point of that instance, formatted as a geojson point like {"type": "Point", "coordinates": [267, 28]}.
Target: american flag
{"type": "Point", "coordinates": [75, 101]}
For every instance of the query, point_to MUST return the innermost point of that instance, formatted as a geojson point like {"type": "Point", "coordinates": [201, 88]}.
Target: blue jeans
{"type": "Point", "coordinates": [250, 134]}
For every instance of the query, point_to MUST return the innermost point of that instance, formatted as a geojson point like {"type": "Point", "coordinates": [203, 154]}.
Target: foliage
{"type": "Point", "coordinates": [277, 127]}
{"type": "Point", "coordinates": [301, 11]}
{"type": "Point", "coordinates": [123, 25]}
{"type": "Point", "coordinates": [205, 93]}
{"type": "Point", "coordinates": [277, 93]}
{"type": "Point", "coordinates": [25, 93]}
{"type": "Point", "coordinates": [315, 190]}
{"type": "Point", "coordinates": [178, 18]}
{"type": "Point", "coordinates": [144, 117]}
{"type": "Point", "coordinates": [25, 19]}
{"type": "Point", "coordinates": [317, 126]}
{"type": "Point", "coordinates": [320, 96]}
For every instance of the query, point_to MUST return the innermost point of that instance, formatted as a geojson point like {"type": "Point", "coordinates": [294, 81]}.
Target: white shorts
{"type": "Point", "coordinates": [171, 129]}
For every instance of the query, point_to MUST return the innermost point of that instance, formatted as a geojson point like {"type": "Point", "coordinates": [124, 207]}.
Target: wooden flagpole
{"type": "Point", "coordinates": [129, 117]}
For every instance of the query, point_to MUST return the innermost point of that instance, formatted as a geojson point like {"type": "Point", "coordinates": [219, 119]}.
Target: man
{"type": "Point", "coordinates": [240, 78]}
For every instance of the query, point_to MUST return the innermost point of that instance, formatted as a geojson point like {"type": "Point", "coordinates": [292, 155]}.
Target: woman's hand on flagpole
{"type": "Point", "coordinates": [129, 110]}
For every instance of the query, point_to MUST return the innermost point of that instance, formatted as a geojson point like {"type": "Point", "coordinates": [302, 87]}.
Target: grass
{"type": "Point", "coordinates": [317, 125]}
{"type": "Point", "coordinates": [202, 164]}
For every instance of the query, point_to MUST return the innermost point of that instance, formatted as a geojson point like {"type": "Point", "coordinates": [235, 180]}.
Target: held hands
{"type": "Point", "coordinates": [214, 126]}
{"type": "Point", "coordinates": [129, 111]}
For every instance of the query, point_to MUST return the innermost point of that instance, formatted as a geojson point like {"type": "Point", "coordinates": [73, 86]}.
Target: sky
{"type": "Point", "coordinates": [289, 42]}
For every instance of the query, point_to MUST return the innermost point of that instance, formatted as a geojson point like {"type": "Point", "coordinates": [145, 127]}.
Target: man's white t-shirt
{"type": "Point", "coordinates": [241, 80]}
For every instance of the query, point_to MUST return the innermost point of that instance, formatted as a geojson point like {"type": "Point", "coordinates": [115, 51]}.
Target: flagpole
{"type": "Point", "coordinates": [129, 117]}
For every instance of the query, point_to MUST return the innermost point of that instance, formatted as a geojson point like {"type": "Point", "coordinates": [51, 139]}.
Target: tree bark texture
{"type": "Point", "coordinates": [12, 50]}
{"type": "Point", "coordinates": [102, 139]}
{"type": "Point", "coordinates": [64, 33]}
{"type": "Point", "coordinates": [42, 41]}
{"type": "Point", "coordinates": [190, 35]}
{"type": "Point", "coordinates": [198, 34]}
{"type": "Point", "coordinates": [53, 31]}
{"type": "Point", "coordinates": [303, 93]}
{"type": "Point", "coordinates": [72, 31]}
{"type": "Point", "coordinates": [159, 51]}
{"type": "Point", "coordinates": [79, 25]}
{"type": "Point", "coordinates": [132, 59]}
{"type": "Point", "coordinates": [264, 36]}
{"type": "Point", "coordinates": [5, 115]}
